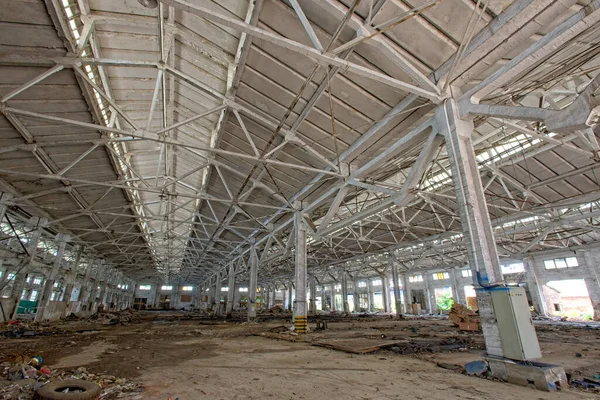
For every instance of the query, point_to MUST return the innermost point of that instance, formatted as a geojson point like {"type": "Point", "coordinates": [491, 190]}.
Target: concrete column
{"type": "Point", "coordinates": [459, 293]}
{"type": "Point", "coordinates": [71, 277]}
{"type": "Point", "coordinates": [535, 289]}
{"type": "Point", "coordinates": [397, 299]}
{"type": "Point", "coordinates": [356, 297]}
{"type": "Point", "coordinates": [300, 311]}
{"type": "Point", "coordinates": [267, 293]}
{"type": "Point", "coordinates": [274, 299]}
{"type": "Point", "coordinates": [474, 215]}
{"type": "Point", "coordinates": [406, 294]}
{"type": "Point", "coordinates": [253, 282]}
{"type": "Point", "coordinates": [49, 284]}
{"type": "Point", "coordinates": [332, 297]}
{"type": "Point", "coordinates": [289, 297]}
{"type": "Point", "coordinates": [430, 293]}
{"type": "Point", "coordinates": [592, 280]}
{"type": "Point", "coordinates": [323, 298]}
{"type": "Point", "coordinates": [231, 291]}
{"type": "Point", "coordinates": [22, 272]}
{"type": "Point", "coordinates": [95, 282]}
{"type": "Point", "coordinates": [218, 294]}
{"type": "Point", "coordinates": [369, 296]}
{"type": "Point", "coordinates": [385, 284]}
{"type": "Point", "coordinates": [84, 284]}
{"type": "Point", "coordinates": [312, 306]}
{"type": "Point", "coordinates": [156, 295]}
{"type": "Point", "coordinates": [345, 292]}
{"type": "Point", "coordinates": [103, 288]}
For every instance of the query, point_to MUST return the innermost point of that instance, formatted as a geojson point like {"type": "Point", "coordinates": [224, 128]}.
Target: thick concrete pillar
{"type": "Point", "coordinates": [312, 306]}
{"type": "Point", "coordinates": [290, 305]}
{"type": "Point", "coordinates": [356, 297]}
{"type": "Point", "coordinates": [369, 296]}
{"type": "Point", "coordinates": [406, 298]}
{"type": "Point", "coordinates": [218, 294]}
{"type": "Point", "coordinates": [397, 299]}
{"type": "Point", "coordinates": [274, 299]}
{"type": "Point", "coordinates": [253, 281]}
{"type": "Point", "coordinates": [49, 284]}
{"type": "Point", "coordinates": [231, 291]}
{"type": "Point", "coordinates": [430, 292]}
{"type": "Point", "coordinates": [104, 286]}
{"type": "Point", "coordinates": [71, 277]}
{"type": "Point", "coordinates": [457, 289]}
{"type": "Point", "coordinates": [83, 291]}
{"type": "Point", "coordinates": [267, 295]}
{"type": "Point", "coordinates": [300, 311]}
{"type": "Point", "coordinates": [345, 291]}
{"type": "Point", "coordinates": [535, 289]}
{"type": "Point", "coordinates": [95, 287]}
{"type": "Point", "coordinates": [156, 302]}
{"type": "Point", "coordinates": [385, 285]}
{"type": "Point", "coordinates": [22, 272]}
{"type": "Point", "coordinates": [474, 215]}
{"type": "Point", "coordinates": [332, 297]}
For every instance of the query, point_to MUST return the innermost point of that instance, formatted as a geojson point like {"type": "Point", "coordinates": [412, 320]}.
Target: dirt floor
{"type": "Point", "coordinates": [210, 359]}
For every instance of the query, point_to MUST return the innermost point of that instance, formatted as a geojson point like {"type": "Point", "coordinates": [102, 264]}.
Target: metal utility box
{"type": "Point", "coordinates": [517, 334]}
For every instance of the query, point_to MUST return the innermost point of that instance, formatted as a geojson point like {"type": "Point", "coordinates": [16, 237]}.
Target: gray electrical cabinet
{"type": "Point", "coordinates": [517, 334]}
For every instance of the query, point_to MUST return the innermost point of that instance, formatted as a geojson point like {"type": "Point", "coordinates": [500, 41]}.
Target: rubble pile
{"type": "Point", "coordinates": [20, 378]}
{"type": "Point", "coordinates": [464, 318]}
{"type": "Point", "coordinates": [17, 329]}
{"type": "Point", "coordinates": [113, 318]}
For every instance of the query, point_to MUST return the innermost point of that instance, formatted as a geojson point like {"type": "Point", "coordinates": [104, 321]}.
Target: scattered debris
{"type": "Point", "coordinates": [20, 380]}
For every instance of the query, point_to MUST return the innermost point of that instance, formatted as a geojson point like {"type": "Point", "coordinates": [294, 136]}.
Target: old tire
{"type": "Point", "coordinates": [54, 390]}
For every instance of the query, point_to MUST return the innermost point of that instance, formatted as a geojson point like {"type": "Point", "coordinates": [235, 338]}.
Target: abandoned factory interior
{"type": "Point", "coordinates": [299, 199]}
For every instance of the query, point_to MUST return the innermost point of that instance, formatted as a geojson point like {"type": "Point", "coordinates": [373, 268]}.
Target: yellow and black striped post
{"type": "Point", "coordinates": [301, 324]}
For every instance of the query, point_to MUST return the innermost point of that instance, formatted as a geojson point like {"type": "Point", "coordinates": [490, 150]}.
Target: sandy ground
{"type": "Point", "coordinates": [200, 360]}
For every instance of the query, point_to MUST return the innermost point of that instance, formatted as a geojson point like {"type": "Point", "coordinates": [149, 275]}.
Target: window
{"type": "Point", "coordinates": [243, 289]}
{"type": "Point", "coordinates": [24, 295]}
{"type": "Point", "coordinates": [56, 284]}
{"type": "Point", "coordinates": [33, 295]}
{"type": "Point", "coordinates": [440, 276]}
{"type": "Point", "coordinates": [37, 281]}
{"type": "Point", "coordinates": [415, 278]}
{"type": "Point", "coordinates": [376, 282]}
{"type": "Point", "coordinates": [224, 289]}
{"type": "Point", "coordinates": [145, 287]}
{"type": "Point", "coordinates": [557, 263]}
{"type": "Point", "coordinates": [53, 297]}
{"type": "Point", "coordinates": [166, 287]}
{"type": "Point", "coordinates": [512, 268]}
{"type": "Point", "coordinates": [1, 274]}
{"type": "Point", "coordinates": [28, 280]}
{"type": "Point", "coordinates": [338, 287]}
{"type": "Point", "coordinates": [11, 277]}
{"type": "Point", "coordinates": [187, 288]}
{"type": "Point", "coordinates": [362, 284]}
{"type": "Point", "coordinates": [466, 273]}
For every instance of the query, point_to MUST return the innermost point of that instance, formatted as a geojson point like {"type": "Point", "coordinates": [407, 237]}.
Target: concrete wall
{"type": "Point", "coordinates": [588, 270]}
